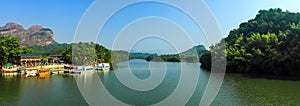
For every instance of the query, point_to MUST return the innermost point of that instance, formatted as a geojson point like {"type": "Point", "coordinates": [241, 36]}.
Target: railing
{"type": "Point", "coordinates": [45, 66]}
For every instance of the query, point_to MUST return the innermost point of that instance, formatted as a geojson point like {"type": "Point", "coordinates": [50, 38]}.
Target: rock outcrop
{"type": "Point", "coordinates": [36, 35]}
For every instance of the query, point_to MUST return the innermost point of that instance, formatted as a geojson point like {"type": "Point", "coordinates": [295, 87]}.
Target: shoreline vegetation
{"type": "Point", "coordinates": [268, 45]}
{"type": "Point", "coordinates": [190, 55]}
{"type": "Point", "coordinates": [10, 50]}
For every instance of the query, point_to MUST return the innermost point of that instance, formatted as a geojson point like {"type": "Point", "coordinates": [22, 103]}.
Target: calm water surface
{"type": "Point", "coordinates": [62, 90]}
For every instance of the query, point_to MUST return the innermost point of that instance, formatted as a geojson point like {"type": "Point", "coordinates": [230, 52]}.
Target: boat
{"type": "Point", "coordinates": [81, 70]}
{"type": "Point", "coordinates": [43, 69]}
{"type": "Point", "coordinates": [31, 73]}
{"type": "Point", "coordinates": [102, 67]}
{"type": "Point", "coordinates": [9, 68]}
{"type": "Point", "coordinates": [44, 74]}
{"type": "Point", "coordinates": [54, 72]}
{"type": "Point", "coordinates": [21, 70]}
{"type": "Point", "coordinates": [68, 68]}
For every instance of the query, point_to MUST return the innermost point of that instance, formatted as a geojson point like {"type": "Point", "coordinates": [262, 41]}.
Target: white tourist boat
{"type": "Point", "coordinates": [31, 73]}
{"type": "Point", "coordinates": [102, 66]}
{"type": "Point", "coordinates": [82, 70]}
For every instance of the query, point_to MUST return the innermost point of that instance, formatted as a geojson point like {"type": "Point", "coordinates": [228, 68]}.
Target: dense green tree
{"type": "Point", "coordinates": [119, 56]}
{"type": "Point", "coordinates": [27, 51]}
{"type": "Point", "coordinates": [67, 54]}
{"type": "Point", "coordinates": [9, 49]}
{"type": "Point", "coordinates": [103, 54]}
{"type": "Point", "coordinates": [190, 55]}
{"type": "Point", "coordinates": [140, 55]}
{"type": "Point", "coordinates": [51, 49]}
{"type": "Point", "coordinates": [268, 44]}
{"type": "Point", "coordinates": [83, 53]}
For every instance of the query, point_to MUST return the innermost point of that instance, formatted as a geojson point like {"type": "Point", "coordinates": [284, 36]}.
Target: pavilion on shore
{"type": "Point", "coordinates": [30, 60]}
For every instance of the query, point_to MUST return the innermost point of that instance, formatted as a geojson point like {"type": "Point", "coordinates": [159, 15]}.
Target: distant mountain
{"type": "Point", "coordinates": [36, 35]}
{"type": "Point", "coordinates": [140, 55]}
{"type": "Point", "coordinates": [191, 55]}
{"type": "Point", "coordinates": [200, 50]}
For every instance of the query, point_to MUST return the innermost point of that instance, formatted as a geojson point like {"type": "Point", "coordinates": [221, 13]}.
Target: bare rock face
{"type": "Point", "coordinates": [35, 35]}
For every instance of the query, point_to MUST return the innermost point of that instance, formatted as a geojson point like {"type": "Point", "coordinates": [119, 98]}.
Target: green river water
{"type": "Point", "coordinates": [62, 90]}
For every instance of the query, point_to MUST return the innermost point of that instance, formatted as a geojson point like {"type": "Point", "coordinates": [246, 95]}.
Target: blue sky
{"type": "Point", "coordinates": [63, 16]}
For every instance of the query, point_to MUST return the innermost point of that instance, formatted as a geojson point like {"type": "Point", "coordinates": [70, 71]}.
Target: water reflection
{"type": "Point", "coordinates": [239, 90]}
{"type": "Point", "coordinates": [177, 85]}
{"type": "Point", "coordinates": [54, 90]}
{"type": "Point", "coordinates": [10, 88]}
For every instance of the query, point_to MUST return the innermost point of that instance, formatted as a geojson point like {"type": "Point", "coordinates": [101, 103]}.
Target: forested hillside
{"type": "Point", "coordinates": [190, 55]}
{"type": "Point", "coordinates": [45, 51]}
{"type": "Point", "coordinates": [268, 44]}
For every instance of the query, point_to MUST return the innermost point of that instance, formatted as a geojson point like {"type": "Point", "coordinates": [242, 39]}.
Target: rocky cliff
{"type": "Point", "coordinates": [34, 35]}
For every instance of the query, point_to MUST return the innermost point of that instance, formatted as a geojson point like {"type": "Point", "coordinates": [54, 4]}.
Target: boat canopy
{"type": "Point", "coordinates": [8, 65]}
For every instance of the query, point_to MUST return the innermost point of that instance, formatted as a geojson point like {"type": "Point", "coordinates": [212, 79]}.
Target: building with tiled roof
{"type": "Point", "coordinates": [30, 59]}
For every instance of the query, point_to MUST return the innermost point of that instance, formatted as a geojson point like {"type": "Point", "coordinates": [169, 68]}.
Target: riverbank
{"type": "Point", "coordinates": [265, 75]}
{"type": "Point", "coordinates": [272, 77]}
